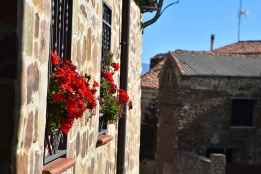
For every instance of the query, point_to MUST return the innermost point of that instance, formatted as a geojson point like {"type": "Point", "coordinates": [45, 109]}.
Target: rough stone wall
{"type": "Point", "coordinates": [86, 55]}
{"type": "Point", "coordinates": [206, 106]}
{"type": "Point", "coordinates": [134, 89]}
{"type": "Point", "coordinates": [34, 71]}
{"type": "Point", "coordinates": [189, 163]}
{"type": "Point", "coordinates": [218, 163]}
{"type": "Point", "coordinates": [166, 147]}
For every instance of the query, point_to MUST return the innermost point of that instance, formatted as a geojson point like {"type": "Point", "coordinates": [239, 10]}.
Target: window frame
{"type": "Point", "coordinates": [60, 41]}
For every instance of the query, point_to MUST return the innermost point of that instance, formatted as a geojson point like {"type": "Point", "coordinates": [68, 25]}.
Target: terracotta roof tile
{"type": "Point", "coordinates": [151, 78]}
{"type": "Point", "coordinates": [241, 47]}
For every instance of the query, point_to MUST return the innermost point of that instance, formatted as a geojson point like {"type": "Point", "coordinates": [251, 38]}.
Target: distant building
{"type": "Point", "coordinates": [150, 92]}
{"type": "Point", "coordinates": [209, 104]}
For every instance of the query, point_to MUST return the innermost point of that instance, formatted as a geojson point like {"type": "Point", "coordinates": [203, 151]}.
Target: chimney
{"type": "Point", "coordinates": [212, 42]}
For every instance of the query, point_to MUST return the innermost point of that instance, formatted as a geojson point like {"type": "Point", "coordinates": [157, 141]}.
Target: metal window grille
{"type": "Point", "coordinates": [106, 32]}
{"type": "Point", "coordinates": [106, 46]}
{"type": "Point", "coordinates": [61, 27]}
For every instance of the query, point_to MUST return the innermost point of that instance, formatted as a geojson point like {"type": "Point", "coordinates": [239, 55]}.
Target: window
{"type": "Point", "coordinates": [106, 47]}
{"type": "Point", "coordinates": [61, 26]}
{"type": "Point", "coordinates": [106, 32]}
{"type": "Point", "coordinates": [242, 112]}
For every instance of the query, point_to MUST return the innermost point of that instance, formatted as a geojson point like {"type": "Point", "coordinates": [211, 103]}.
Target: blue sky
{"type": "Point", "coordinates": [189, 25]}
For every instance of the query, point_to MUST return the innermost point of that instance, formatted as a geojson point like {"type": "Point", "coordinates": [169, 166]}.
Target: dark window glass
{"type": "Point", "coordinates": [106, 46]}
{"type": "Point", "coordinates": [106, 32]}
{"type": "Point", "coordinates": [61, 27]}
{"type": "Point", "coordinates": [242, 112]}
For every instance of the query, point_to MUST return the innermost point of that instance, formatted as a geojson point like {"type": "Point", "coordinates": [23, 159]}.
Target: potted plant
{"type": "Point", "coordinates": [70, 94]}
{"type": "Point", "coordinates": [111, 97]}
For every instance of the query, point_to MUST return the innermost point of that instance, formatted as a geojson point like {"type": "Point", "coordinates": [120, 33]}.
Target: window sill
{"type": "Point", "coordinates": [58, 166]}
{"type": "Point", "coordinates": [242, 127]}
{"type": "Point", "coordinates": [103, 139]}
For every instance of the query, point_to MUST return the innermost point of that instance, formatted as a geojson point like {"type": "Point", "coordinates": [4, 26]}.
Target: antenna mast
{"type": "Point", "coordinates": [240, 13]}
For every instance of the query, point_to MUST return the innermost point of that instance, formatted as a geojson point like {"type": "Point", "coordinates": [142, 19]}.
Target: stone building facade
{"type": "Point", "coordinates": [150, 93]}
{"type": "Point", "coordinates": [32, 35]}
{"type": "Point", "coordinates": [209, 104]}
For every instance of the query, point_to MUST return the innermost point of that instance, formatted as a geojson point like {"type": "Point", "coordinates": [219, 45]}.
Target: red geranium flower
{"type": "Point", "coordinates": [69, 89]}
{"type": "Point", "coordinates": [123, 96]}
{"type": "Point", "coordinates": [66, 126]}
{"type": "Point", "coordinates": [95, 84]}
{"type": "Point", "coordinates": [55, 58]}
{"type": "Point", "coordinates": [115, 66]}
{"type": "Point", "coordinates": [108, 76]}
{"type": "Point", "coordinates": [113, 88]}
{"type": "Point", "coordinates": [58, 97]}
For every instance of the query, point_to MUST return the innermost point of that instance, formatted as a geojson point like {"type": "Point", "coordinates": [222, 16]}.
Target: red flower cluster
{"type": "Point", "coordinates": [123, 96]}
{"type": "Point", "coordinates": [111, 96]}
{"type": "Point", "coordinates": [71, 91]}
{"type": "Point", "coordinates": [115, 66]}
{"type": "Point", "coordinates": [108, 76]}
{"type": "Point", "coordinates": [55, 58]}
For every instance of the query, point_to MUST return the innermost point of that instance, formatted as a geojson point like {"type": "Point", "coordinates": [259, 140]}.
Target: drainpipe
{"type": "Point", "coordinates": [123, 84]}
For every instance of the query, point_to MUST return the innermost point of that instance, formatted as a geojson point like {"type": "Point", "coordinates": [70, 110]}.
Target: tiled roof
{"type": "Point", "coordinates": [249, 48]}
{"type": "Point", "coordinates": [151, 78]}
{"type": "Point", "coordinates": [212, 65]}
{"type": "Point", "coordinates": [241, 47]}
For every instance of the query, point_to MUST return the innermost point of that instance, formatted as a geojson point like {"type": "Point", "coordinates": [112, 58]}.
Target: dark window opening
{"type": "Point", "coordinates": [149, 129]}
{"type": "Point", "coordinates": [106, 47]}
{"type": "Point", "coordinates": [8, 40]}
{"type": "Point", "coordinates": [61, 26]}
{"type": "Point", "coordinates": [242, 112]}
{"type": "Point", "coordinates": [148, 142]}
{"type": "Point", "coordinates": [8, 78]}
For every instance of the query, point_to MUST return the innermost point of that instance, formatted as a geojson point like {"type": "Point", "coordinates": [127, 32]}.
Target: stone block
{"type": "Point", "coordinates": [29, 131]}
{"type": "Point", "coordinates": [218, 163]}
{"type": "Point", "coordinates": [36, 127]}
{"type": "Point", "coordinates": [33, 76]}
{"type": "Point", "coordinates": [28, 29]}
{"type": "Point", "coordinates": [36, 25]}
{"type": "Point", "coordinates": [44, 41]}
{"type": "Point", "coordinates": [22, 163]}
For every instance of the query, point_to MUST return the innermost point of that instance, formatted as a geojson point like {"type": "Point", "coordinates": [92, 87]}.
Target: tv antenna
{"type": "Point", "coordinates": [241, 12]}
